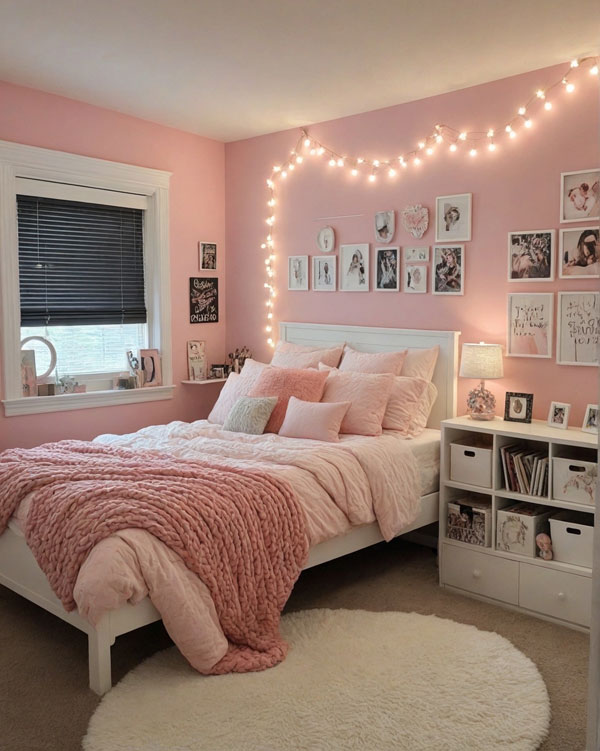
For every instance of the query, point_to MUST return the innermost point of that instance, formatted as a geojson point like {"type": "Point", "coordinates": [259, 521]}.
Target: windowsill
{"type": "Point", "coordinates": [32, 405]}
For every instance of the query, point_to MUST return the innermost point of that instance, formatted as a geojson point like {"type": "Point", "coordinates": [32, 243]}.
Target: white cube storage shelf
{"type": "Point", "coordinates": [508, 573]}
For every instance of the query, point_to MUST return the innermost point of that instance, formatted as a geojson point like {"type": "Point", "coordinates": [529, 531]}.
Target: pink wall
{"type": "Point", "coordinates": [515, 188]}
{"type": "Point", "coordinates": [197, 213]}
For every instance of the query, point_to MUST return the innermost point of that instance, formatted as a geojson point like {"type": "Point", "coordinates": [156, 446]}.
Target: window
{"type": "Point", "coordinates": [84, 264]}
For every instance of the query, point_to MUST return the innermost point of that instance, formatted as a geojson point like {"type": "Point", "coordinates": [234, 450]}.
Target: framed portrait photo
{"type": "Point", "coordinates": [298, 273]}
{"type": "Point", "coordinates": [579, 253]}
{"type": "Point", "coordinates": [385, 273]}
{"type": "Point", "coordinates": [531, 256]}
{"type": "Point", "coordinates": [416, 254]}
{"type": "Point", "coordinates": [447, 274]}
{"type": "Point", "coordinates": [354, 268]}
{"type": "Point", "coordinates": [590, 419]}
{"type": "Point", "coordinates": [207, 256]}
{"type": "Point", "coordinates": [453, 218]}
{"type": "Point", "coordinates": [518, 407]}
{"type": "Point", "coordinates": [579, 195]}
{"type": "Point", "coordinates": [385, 226]}
{"type": "Point", "coordinates": [578, 328]}
{"type": "Point", "coordinates": [324, 273]}
{"type": "Point", "coordinates": [529, 326]}
{"type": "Point", "coordinates": [414, 278]}
{"type": "Point", "coordinates": [558, 415]}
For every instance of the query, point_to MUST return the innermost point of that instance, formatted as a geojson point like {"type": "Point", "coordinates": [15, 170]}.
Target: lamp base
{"type": "Point", "coordinates": [481, 403]}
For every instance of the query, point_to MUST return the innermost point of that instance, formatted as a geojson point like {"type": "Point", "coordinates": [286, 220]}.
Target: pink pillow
{"type": "Point", "coordinates": [418, 422]}
{"type": "Point", "coordinates": [319, 421]}
{"type": "Point", "coordinates": [372, 362]}
{"type": "Point", "coordinates": [288, 355]}
{"type": "Point", "coordinates": [403, 405]}
{"type": "Point", "coordinates": [236, 386]}
{"type": "Point", "coordinates": [368, 394]}
{"type": "Point", "coordinates": [420, 363]}
{"type": "Point", "coordinates": [284, 383]}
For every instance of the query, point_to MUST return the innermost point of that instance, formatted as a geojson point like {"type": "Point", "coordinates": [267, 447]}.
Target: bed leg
{"type": "Point", "coordinates": [99, 644]}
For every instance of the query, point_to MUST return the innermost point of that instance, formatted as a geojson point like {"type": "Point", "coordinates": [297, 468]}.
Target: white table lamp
{"type": "Point", "coordinates": [481, 361]}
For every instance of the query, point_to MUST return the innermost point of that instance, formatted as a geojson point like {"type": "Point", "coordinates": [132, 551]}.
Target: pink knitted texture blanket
{"type": "Point", "coordinates": [241, 531]}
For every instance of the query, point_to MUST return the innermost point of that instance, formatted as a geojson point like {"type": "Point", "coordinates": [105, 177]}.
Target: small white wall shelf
{"type": "Point", "coordinates": [207, 380]}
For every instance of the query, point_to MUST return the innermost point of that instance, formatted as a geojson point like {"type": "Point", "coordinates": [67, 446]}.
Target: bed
{"type": "Point", "coordinates": [20, 572]}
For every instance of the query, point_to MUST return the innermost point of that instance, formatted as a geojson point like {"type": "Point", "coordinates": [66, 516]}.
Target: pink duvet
{"type": "Point", "coordinates": [358, 481]}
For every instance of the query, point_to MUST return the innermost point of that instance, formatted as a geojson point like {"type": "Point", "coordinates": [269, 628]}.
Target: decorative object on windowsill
{"type": "Point", "coordinates": [235, 360]}
{"type": "Point", "coordinates": [51, 367]}
{"type": "Point", "coordinates": [207, 260]}
{"type": "Point", "coordinates": [28, 374]}
{"type": "Point", "coordinates": [415, 219]}
{"type": "Point", "coordinates": [150, 368]}
{"type": "Point", "coordinates": [196, 356]}
{"type": "Point", "coordinates": [544, 544]}
{"type": "Point", "coordinates": [68, 385]}
{"type": "Point", "coordinates": [204, 300]}
{"type": "Point", "coordinates": [591, 419]}
{"type": "Point", "coordinates": [134, 366]}
{"type": "Point", "coordinates": [385, 226]}
{"type": "Point", "coordinates": [482, 361]}
{"type": "Point", "coordinates": [125, 382]}
{"type": "Point", "coordinates": [217, 371]}
{"type": "Point", "coordinates": [518, 407]}
{"type": "Point", "coordinates": [558, 415]}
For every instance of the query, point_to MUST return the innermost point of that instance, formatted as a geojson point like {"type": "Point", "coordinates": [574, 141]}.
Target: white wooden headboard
{"type": "Point", "coordinates": [372, 339]}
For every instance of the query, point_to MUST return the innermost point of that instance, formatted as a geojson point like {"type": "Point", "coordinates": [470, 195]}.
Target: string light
{"type": "Point", "coordinates": [440, 134]}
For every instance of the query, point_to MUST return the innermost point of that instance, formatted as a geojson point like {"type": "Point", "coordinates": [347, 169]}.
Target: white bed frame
{"type": "Point", "coordinates": [19, 570]}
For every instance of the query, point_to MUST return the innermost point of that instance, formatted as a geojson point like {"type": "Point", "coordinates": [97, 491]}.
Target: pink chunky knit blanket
{"type": "Point", "coordinates": [241, 531]}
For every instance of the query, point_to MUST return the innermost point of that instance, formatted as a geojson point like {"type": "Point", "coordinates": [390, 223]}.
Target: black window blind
{"type": "Point", "coordinates": [80, 263]}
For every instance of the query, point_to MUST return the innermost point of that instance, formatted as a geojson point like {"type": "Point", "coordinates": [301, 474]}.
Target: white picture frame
{"type": "Point", "coordinates": [453, 218]}
{"type": "Point", "coordinates": [531, 255]}
{"type": "Point", "coordinates": [385, 226]}
{"type": "Point", "coordinates": [578, 328]}
{"type": "Point", "coordinates": [558, 415]}
{"type": "Point", "coordinates": [386, 268]}
{"type": "Point", "coordinates": [207, 256]}
{"type": "Point", "coordinates": [575, 255]}
{"type": "Point", "coordinates": [297, 273]}
{"type": "Point", "coordinates": [530, 318]}
{"type": "Point", "coordinates": [591, 419]}
{"type": "Point", "coordinates": [354, 268]}
{"type": "Point", "coordinates": [324, 273]}
{"type": "Point", "coordinates": [448, 270]}
{"type": "Point", "coordinates": [414, 278]}
{"type": "Point", "coordinates": [577, 205]}
{"type": "Point", "coordinates": [416, 254]}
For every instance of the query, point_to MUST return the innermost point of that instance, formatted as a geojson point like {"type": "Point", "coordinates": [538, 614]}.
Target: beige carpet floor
{"type": "Point", "coordinates": [45, 704]}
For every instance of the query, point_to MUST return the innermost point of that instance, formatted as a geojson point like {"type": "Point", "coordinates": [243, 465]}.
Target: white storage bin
{"type": "Point", "coordinates": [574, 480]}
{"type": "Point", "coordinates": [471, 463]}
{"type": "Point", "coordinates": [572, 536]}
{"type": "Point", "coordinates": [517, 527]}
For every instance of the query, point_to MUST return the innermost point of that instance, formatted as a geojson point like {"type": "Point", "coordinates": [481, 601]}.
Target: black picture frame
{"type": "Point", "coordinates": [528, 398]}
{"type": "Point", "coordinates": [204, 299]}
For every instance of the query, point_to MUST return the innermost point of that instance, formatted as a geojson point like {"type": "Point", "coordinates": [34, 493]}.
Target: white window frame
{"type": "Point", "coordinates": [19, 161]}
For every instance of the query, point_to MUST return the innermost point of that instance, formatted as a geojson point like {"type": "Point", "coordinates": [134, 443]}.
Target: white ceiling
{"type": "Point", "coordinates": [231, 69]}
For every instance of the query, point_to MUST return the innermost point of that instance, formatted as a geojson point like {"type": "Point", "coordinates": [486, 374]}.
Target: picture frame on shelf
{"type": "Point", "coordinates": [207, 256]}
{"type": "Point", "coordinates": [414, 278]}
{"type": "Point", "coordinates": [531, 255]}
{"type": "Point", "coordinates": [385, 226]}
{"type": "Point", "coordinates": [529, 324]}
{"type": "Point", "coordinates": [150, 368]}
{"type": "Point", "coordinates": [298, 273]}
{"type": "Point", "coordinates": [591, 419]}
{"type": "Point", "coordinates": [558, 415]}
{"type": "Point", "coordinates": [28, 373]}
{"type": "Point", "coordinates": [354, 268]}
{"type": "Point", "coordinates": [447, 274]}
{"type": "Point", "coordinates": [196, 358]}
{"type": "Point", "coordinates": [518, 407]}
{"type": "Point", "coordinates": [324, 273]}
{"type": "Point", "coordinates": [578, 328]}
{"type": "Point", "coordinates": [416, 254]}
{"type": "Point", "coordinates": [580, 195]}
{"type": "Point", "coordinates": [579, 253]}
{"type": "Point", "coordinates": [453, 218]}
{"type": "Point", "coordinates": [386, 268]}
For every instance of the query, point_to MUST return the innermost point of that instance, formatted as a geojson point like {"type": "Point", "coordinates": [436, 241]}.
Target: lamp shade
{"type": "Point", "coordinates": [481, 361]}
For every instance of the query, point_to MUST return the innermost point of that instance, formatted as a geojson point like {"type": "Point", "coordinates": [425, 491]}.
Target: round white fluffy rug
{"type": "Point", "coordinates": [352, 680]}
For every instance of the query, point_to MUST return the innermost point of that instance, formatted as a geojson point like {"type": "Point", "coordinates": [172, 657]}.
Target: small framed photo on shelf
{"type": "Point", "coordinates": [590, 419]}
{"type": "Point", "coordinates": [518, 407]}
{"type": "Point", "coordinates": [149, 365]}
{"type": "Point", "coordinates": [196, 356]}
{"type": "Point", "coordinates": [416, 254]}
{"type": "Point", "coordinates": [354, 268]}
{"type": "Point", "coordinates": [558, 416]}
{"type": "Point", "coordinates": [386, 269]}
{"type": "Point", "coordinates": [580, 195]}
{"type": "Point", "coordinates": [298, 273]}
{"type": "Point", "coordinates": [217, 371]}
{"type": "Point", "coordinates": [447, 274]}
{"type": "Point", "coordinates": [324, 273]}
{"type": "Point", "coordinates": [453, 218]}
{"type": "Point", "coordinates": [579, 253]}
{"type": "Point", "coordinates": [531, 256]}
{"type": "Point", "coordinates": [415, 278]}
{"type": "Point", "coordinates": [207, 256]}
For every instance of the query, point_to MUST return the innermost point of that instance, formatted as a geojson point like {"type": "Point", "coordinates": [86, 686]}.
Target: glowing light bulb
{"type": "Point", "coordinates": [522, 110]}
{"type": "Point", "coordinates": [375, 162]}
{"type": "Point", "coordinates": [548, 106]}
{"type": "Point", "coordinates": [492, 147]}
{"type": "Point", "coordinates": [291, 167]}
{"type": "Point", "coordinates": [429, 151]}
{"type": "Point", "coordinates": [267, 262]}
{"type": "Point", "coordinates": [490, 133]}
{"type": "Point", "coordinates": [570, 88]}
{"type": "Point", "coordinates": [276, 168]}
{"type": "Point", "coordinates": [320, 151]}
{"type": "Point", "coordinates": [540, 94]}
{"type": "Point", "coordinates": [403, 163]}
{"type": "Point", "coordinates": [299, 160]}
{"type": "Point", "coordinates": [270, 183]}
{"type": "Point", "coordinates": [354, 172]}
{"type": "Point", "coordinates": [574, 63]}
{"type": "Point", "coordinates": [269, 315]}
{"type": "Point", "coordinates": [271, 202]}
{"type": "Point", "coordinates": [307, 142]}
{"type": "Point", "coordinates": [270, 341]}
{"type": "Point", "coordinates": [416, 161]}
{"type": "Point", "coordinates": [421, 144]}
{"type": "Point", "coordinates": [512, 134]}
{"type": "Point", "coordinates": [372, 178]}
{"type": "Point", "coordinates": [528, 123]}
{"type": "Point", "coordinates": [392, 172]}
{"type": "Point", "coordinates": [594, 70]}
{"type": "Point", "coordinates": [473, 152]}
{"type": "Point", "coordinates": [340, 162]}
{"type": "Point", "coordinates": [360, 160]}
{"type": "Point", "coordinates": [284, 174]}
{"type": "Point", "coordinates": [313, 152]}
{"type": "Point", "coordinates": [462, 136]}
{"type": "Point", "coordinates": [508, 128]}
{"type": "Point", "coordinates": [439, 138]}
{"type": "Point", "coordinates": [263, 246]}
{"type": "Point", "coordinates": [268, 329]}
{"type": "Point", "coordinates": [332, 162]}
{"type": "Point", "coordinates": [452, 147]}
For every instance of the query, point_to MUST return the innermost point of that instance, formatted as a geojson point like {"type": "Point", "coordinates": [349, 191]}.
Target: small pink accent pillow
{"type": "Point", "coordinates": [288, 355]}
{"type": "Point", "coordinates": [420, 363]}
{"type": "Point", "coordinates": [236, 386]}
{"type": "Point", "coordinates": [368, 394]}
{"type": "Point", "coordinates": [284, 383]}
{"type": "Point", "coordinates": [418, 422]}
{"type": "Point", "coordinates": [404, 403]}
{"type": "Point", "coordinates": [319, 421]}
{"type": "Point", "coordinates": [372, 362]}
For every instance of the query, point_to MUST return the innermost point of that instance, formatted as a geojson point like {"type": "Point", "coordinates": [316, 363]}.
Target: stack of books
{"type": "Point", "coordinates": [525, 470]}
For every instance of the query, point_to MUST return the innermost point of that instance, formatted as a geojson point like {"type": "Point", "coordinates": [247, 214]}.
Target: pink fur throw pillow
{"type": "Point", "coordinates": [420, 363]}
{"type": "Point", "coordinates": [236, 386]}
{"type": "Point", "coordinates": [368, 394]}
{"type": "Point", "coordinates": [371, 362]}
{"type": "Point", "coordinates": [319, 421]}
{"type": "Point", "coordinates": [284, 383]}
{"type": "Point", "coordinates": [288, 355]}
